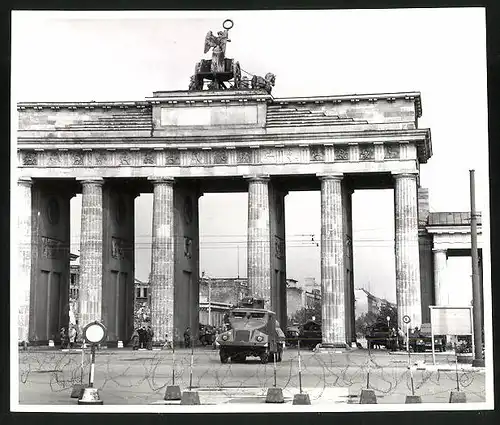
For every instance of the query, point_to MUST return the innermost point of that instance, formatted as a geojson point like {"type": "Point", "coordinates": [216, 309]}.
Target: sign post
{"type": "Point", "coordinates": [94, 333]}
{"type": "Point", "coordinates": [406, 320]}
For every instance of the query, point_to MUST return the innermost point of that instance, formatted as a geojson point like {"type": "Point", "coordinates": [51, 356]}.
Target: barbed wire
{"type": "Point", "coordinates": [144, 375]}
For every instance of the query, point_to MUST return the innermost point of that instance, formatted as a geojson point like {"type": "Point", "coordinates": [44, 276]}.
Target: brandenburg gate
{"type": "Point", "coordinates": [231, 136]}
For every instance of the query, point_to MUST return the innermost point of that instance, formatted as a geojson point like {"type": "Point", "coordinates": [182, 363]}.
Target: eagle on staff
{"type": "Point", "coordinates": [218, 43]}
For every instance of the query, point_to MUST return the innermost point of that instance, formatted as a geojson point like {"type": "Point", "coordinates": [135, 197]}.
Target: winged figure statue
{"type": "Point", "coordinates": [218, 43]}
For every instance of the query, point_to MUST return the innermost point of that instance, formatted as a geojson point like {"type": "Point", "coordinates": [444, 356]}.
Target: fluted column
{"type": "Point", "coordinates": [406, 249]}
{"type": "Point", "coordinates": [91, 235]}
{"type": "Point", "coordinates": [162, 261]}
{"type": "Point", "coordinates": [259, 249]}
{"type": "Point", "coordinates": [332, 263]}
{"type": "Point", "coordinates": [23, 234]}
{"type": "Point", "coordinates": [439, 276]}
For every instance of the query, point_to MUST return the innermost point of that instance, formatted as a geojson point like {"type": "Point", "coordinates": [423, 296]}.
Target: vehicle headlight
{"type": "Point", "coordinates": [260, 338]}
{"type": "Point", "coordinates": [420, 341]}
{"type": "Point", "coordinates": [224, 337]}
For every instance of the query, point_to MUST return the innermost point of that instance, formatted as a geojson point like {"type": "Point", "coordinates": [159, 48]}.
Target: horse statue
{"type": "Point", "coordinates": [266, 83]}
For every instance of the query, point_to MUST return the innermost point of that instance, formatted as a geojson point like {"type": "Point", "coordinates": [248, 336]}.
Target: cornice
{"type": "Point", "coordinates": [355, 98]}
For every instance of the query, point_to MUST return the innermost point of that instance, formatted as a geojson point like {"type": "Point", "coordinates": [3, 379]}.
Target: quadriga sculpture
{"type": "Point", "coordinates": [266, 83]}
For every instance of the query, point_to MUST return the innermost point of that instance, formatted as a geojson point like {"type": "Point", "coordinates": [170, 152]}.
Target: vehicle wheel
{"type": "Point", "coordinates": [223, 357]}
{"type": "Point", "coordinates": [264, 357]}
{"type": "Point", "coordinates": [240, 358]}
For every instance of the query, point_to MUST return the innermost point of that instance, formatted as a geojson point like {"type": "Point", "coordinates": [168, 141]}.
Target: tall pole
{"type": "Point", "coordinates": [476, 290]}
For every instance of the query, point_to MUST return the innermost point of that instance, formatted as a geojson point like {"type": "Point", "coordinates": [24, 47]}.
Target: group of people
{"type": "Point", "coordinates": [142, 338]}
{"type": "Point", "coordinates": [68, 336]}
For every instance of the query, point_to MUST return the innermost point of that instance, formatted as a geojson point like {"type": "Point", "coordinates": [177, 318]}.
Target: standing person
{"type": "Point", "coordinates": [135, 340]}
{"type": "Point", "coordinates": [62, 334]}
{"type": "Point", "coordinates": [187, 338]}
{"type": "Point", "coordinates": [150, 335]}
{"type": "Point", "coordinates": [72, 336]}
{"type": "Point", "coordinates": [142, 337]}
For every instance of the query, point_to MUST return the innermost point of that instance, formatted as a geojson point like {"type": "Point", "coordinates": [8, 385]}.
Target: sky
{"type": "Point", "coordinates": [438, 52]}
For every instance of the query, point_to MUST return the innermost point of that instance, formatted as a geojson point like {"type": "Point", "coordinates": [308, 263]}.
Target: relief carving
{"type": "Point", "coordinates": [149, 158]}
{"type": "Point", "coordinates": [268, 155]}
{"type": "Point", "coordinates": [342, 153]}
{"type": "Point", "coordinates": [244, 156]}
{"type": "Point", "coordinates": [125, 158]}
{"type": "Point", "coordinates": [172, 157]}
{"type": "Point", "coordinates": [52, 248]}
{"type": "Point", "coordinates": [317, 153]}
{"type": "Point", "coordinates": [366, 153]}
{"type": "Point", "coordinates": [54, 158]}
{"type": "Point", "coordinates": [77, 158]}
{"type": "Point", "coordinates": [100, 158]}
{"type": "Point", "coordinates": [197, 158]}
{"type": "Point", "coordinates": [188, 243]}
{"type": "Point", "coordinates": [292, 155]}
{"type": "Point", "coordinates": [30, 158]}
{"type": "Point", "coordinates": [118, 248]}
{"type": "Point", "coordinates": [348, 246]}
{"type": "Point", "coordinates": [220, 156]}
{"type": "Point", "coordinates": [279, 247]}
{"type": "Point", "coordinates": [391, 151]}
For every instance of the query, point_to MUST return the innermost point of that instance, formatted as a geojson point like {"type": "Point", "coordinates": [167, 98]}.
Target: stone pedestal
{"type": "Point", "coordinates": [332, 263]}
{"type": "Point", "coordinates": [91, 238]}
{"type": "Point", "coordinates": [439, 276]}
{"type": "Point", "coordinates": [407, 250]}
{"type": "Point", "coordinates": [162, 261]}
{"type": "Point", "coordinates": [259, 254]}
{"type": "Point", "coordinates": [23, 281]}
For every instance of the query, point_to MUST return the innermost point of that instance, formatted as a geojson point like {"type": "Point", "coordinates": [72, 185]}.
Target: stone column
{"type": "Point", "coordinates": [439, 277]}
{"type": "Point", "coordinates": [91, 238]}
{"type": "Point", "coordinates": [406, 250]}
{"type": "Point", "coordinates": [259, 249]}
{"type": "Point", "coordinates": [23, 283]}
{"type": "Point", "coordinates": [162, 261]}
{"type": "Point", "coordinates": [332, 262]}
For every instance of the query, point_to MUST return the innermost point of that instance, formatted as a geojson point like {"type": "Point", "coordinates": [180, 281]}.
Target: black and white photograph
{"type": "Point", "coordinates": [250, 211]}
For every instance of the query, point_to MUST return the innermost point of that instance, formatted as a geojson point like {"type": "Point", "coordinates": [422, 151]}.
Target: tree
{"type": "Point", "coordinates": [391, 311]}
{"type": "Point", "coordinates": [365, 321]}
{"type": "Point", "coordinates": [305, 314]}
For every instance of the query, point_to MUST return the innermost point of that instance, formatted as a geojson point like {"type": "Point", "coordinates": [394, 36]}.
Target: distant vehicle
{"type": "Point", "coordinates": [254, 332]}
{"type": "Point", "coordinates": [381, 335]}
{"type": "Point", "coordinates": [310, 334]}
{"type": "Point", "coordinates": [422, 340]}
{"type": "Point", "coordinates": [206, 334]}
{"type": "Point", "coordinates": [292, 335]}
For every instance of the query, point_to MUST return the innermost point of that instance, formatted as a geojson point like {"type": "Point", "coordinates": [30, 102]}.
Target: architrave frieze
{"type": "Point", "coordinates": [189, 157]}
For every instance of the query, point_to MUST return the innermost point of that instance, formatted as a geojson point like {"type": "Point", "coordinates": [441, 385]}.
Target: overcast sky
{"type": "Point", "coordinates": [439, 52]}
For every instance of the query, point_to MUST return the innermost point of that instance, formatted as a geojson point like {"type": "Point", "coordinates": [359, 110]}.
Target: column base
{"type": "Point", "coordinates": [478, 363]}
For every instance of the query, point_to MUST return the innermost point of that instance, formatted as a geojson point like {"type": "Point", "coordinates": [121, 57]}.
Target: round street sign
{"type": "Point", "coordinates": [94, 333]}
{"type": "Point", "coordinates": [406, 319]}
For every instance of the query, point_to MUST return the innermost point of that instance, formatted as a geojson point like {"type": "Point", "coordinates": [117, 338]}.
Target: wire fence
{"type": "Point", "coordinates": [124, 376]}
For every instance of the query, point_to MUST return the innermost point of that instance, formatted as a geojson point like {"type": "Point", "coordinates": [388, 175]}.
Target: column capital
{"type": "Point", "coordinates": [330, 176]}
{"type": "Point", "coordinates": [406, 174]}
{"type": "Point", "coordinates": [257, 178]}
{"type": "Point", "coordinates": [25, 181]}
{"type": "Point", "coordinates": [161, 180]}
{"type": "Point", "coordinates": [90, 180]}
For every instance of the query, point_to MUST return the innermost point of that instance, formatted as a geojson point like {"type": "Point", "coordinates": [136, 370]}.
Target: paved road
{"type": "Point", "coordinates": [140, 377]}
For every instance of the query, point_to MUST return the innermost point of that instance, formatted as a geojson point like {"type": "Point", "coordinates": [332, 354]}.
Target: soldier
{"type": "Point", "coordinates": [135, 340]}
{"type": "Point", "coordinates": [150, 335]}
{"type": "Point", "coordinates": [187, 338]}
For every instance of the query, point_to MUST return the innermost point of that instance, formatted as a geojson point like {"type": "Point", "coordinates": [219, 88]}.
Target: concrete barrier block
{"type": "Point", "coordinates": [410, 399]}
{"type": "Point", "coordinates": [301, 399]}
{"type": "Point", "coordinates": [190, 398]}
{"type": "Point", "coordinates": [275, 395]}
{"type": "Point", "coordinates": [173, 392]}
{"type": "Point", "coordinates": [457, 397]}
{"type": "Point", "coordinates": [368, 397]}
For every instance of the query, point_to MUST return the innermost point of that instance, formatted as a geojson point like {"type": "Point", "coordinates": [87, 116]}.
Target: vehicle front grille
{"type": "Point", "coordinates": [243, 336]}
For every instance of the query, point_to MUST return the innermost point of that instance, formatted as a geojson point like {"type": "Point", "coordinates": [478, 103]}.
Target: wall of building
{"type": "Point", "coordinates": [186, 282]}
{"type": "Point", "coordinates": [224, 290]}
{"type": "Point", "coordinates": [118, 262]}
{"type": "Point", "coordinates": [294, 300]}
{"type": "Point", "coordinates": [278, 251]}
{"type": "Point", "coordinates": [348, 262]}
{"type": "Point", "coordinates": [49, 292]}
